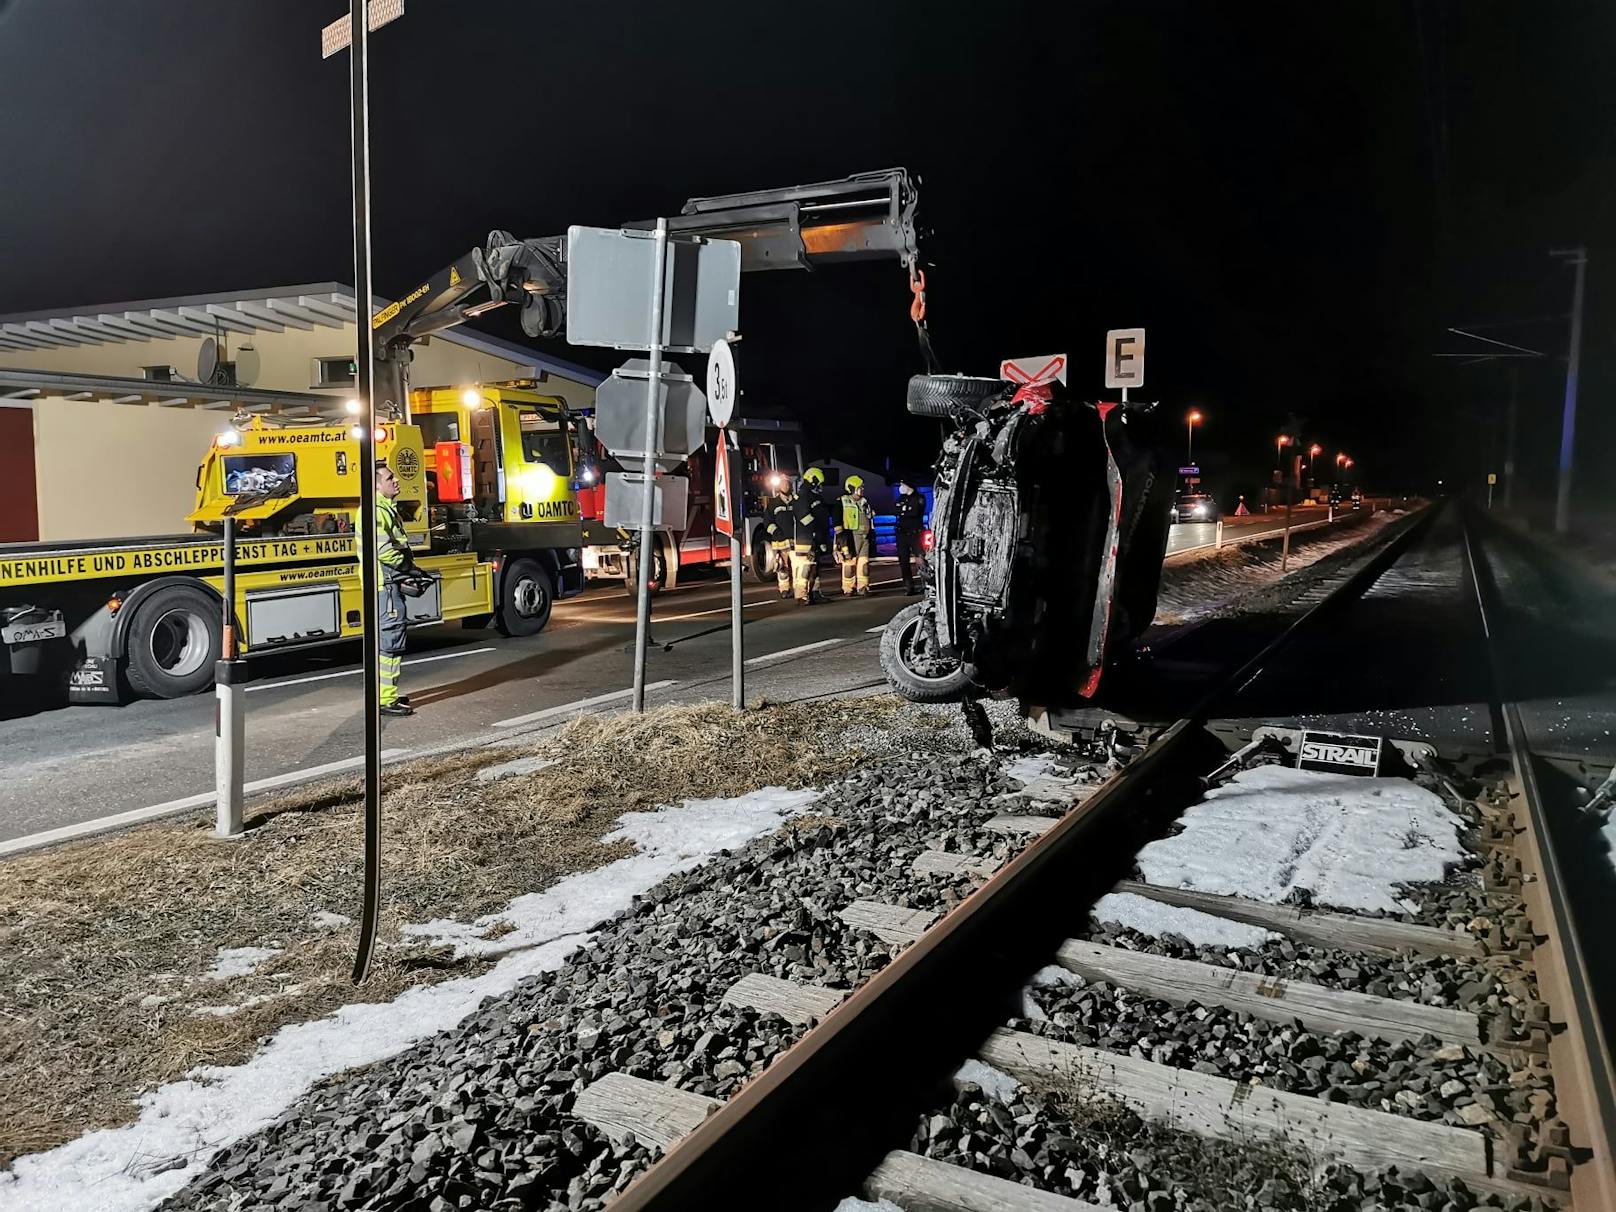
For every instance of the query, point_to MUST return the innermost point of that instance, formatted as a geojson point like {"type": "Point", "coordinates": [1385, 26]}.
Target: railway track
{"type": "Point", "coordinates": [974, 980]}
{"type": "Point", "coordinates": [1523, 1120]}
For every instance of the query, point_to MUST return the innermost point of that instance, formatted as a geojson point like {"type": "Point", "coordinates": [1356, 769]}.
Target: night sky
{"type": "Point", "coordinates": [1294, 199]}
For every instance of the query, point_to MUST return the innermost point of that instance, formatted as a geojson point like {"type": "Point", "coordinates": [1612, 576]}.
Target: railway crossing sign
{"type": "Point", "coordinates": [723, 502]}
{"type": "Point", "coordinates": [1034, 372]}
{"type": "Point", "coordinates": [1125, 357]}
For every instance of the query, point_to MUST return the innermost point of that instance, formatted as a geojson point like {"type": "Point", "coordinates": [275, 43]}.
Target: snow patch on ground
{"type": "Point", "coordinates": [1053, 974]}
{"type": "Point", "coordinates": [994, 1082]}
{"type": "Point", "coordinates": [853, 1204]}
{"type": "Point", "coordinates": [324, 919]}
{"type": "Point", "coordinates": [1041, 779]}
{"type": "Point", "coordinates": [183, 1123]}
{"type": "Point", "coordinates": [232, 962]}
{"type": "Point", "coordinates": [1349, 841]}
{"type": "Point", "coordinates": [1156, 919]}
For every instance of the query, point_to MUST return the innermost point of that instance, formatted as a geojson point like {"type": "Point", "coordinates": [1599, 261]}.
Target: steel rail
{"type": "Point", "coordinates": [809, 1128]}
{"type": "Point", "coordinates": [1579, 1055]}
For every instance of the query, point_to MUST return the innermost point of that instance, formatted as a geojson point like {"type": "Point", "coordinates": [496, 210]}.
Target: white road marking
{"type": "Point", "coordinates": [800, 648]}
{"type": "Point", "coordinates": [345, 673]}
{"type": "Point", "coordinates": [564, 708]}
{"type": "Point", "coordinates": [876, 630]}
{"type": "Point", "coordinates": [136, 815]}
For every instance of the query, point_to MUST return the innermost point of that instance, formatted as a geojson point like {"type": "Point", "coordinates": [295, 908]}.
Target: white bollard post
{"type": "Point", "coordinates": [229, 709]}
{"type": "Point", "coordinates": [1218, 534]}
{"type": "Point", "coordinates": [229, 746]}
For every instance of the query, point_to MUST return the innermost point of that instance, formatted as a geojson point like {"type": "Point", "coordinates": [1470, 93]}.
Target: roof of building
{"type": "Point", "coordinates": [316, 304]}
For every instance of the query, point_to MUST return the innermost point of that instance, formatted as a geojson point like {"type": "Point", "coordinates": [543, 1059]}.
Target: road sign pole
{"type": "Point", "coordinates": [230, 715]}
{"type": "Point", "coordinates": [653, 443]}
{"type": "Point", "coordinates": [737, 642]}
{"type": "Point", "coordinates": [364, 372]}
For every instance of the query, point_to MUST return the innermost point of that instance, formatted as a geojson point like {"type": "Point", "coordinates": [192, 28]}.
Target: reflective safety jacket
{"type": "Point", "coordinates": [810, 521]}
{"type": "Point", "coordinates": [858, 516]}
{"type": "Point", "coordinates": [392, 544]}
{"type": "Point", "coordinates": [781, 524]}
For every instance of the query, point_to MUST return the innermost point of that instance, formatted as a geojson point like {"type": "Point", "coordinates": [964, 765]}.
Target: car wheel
{"type": "Point", "coordinates": [173, 641]}
{"type": "Point", "coordinates": [762, 560]}
{"type": "Point", "coordinates": [943, 395]}
{"type": "Point", "coordinates": [631, 572]}
{"type": "Point", "coordinates": [912, 668]}
{"type": "Point", "coordinates": [525, 596]}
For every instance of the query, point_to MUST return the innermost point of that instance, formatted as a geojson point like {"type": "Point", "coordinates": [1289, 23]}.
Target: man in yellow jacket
{"type": "Point", "coordinates": [393, 559]}
{"type": "Point", "coordinates": [856, 541]}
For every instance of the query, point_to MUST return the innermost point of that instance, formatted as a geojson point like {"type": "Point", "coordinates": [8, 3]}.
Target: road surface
{"type": "Point", "coordinates": [79, 764]}
{"type": "Point", "coordinates": [1189, 536]}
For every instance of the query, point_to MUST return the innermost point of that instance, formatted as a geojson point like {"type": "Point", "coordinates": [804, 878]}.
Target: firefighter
{"type": "Point", "coordinates": [779, 530]}
{"type": "Point", "coordinates": [393, 559]}
{"type": "Point", "coordinates": [856, 543]}
{"type": "Point", "coordinates": [810, 536]}
{"type": "Point", "coordinates": [911, 512]}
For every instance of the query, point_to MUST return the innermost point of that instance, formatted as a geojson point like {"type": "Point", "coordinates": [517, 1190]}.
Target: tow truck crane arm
{"type": "Point", "coordinates": [863, 217]}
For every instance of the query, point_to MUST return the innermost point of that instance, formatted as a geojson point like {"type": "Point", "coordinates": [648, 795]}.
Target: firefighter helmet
{"type": "Point", "coordinates": [813, 476]}
{"type": "Point", "coordinates": [853, 482]}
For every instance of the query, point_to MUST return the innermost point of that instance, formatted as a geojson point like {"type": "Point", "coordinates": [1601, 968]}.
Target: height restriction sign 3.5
{"type": "Point", "coordinates": [1125, 357]}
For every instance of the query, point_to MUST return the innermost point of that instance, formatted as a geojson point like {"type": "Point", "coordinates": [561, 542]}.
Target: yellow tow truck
{"type": "Point", "coordinates": [486, 496]}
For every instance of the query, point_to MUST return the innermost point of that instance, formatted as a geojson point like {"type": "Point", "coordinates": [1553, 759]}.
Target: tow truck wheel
{"type": "Point", "coordinates": [525, 598]}
{"type": "Point", "coordinates": [913, 667]}
{"type": "Point", "coordinates": [173, 642]}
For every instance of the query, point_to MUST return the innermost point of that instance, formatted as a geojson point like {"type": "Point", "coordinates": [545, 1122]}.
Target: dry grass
{"type": "Point", "coordinates": [104, 945]}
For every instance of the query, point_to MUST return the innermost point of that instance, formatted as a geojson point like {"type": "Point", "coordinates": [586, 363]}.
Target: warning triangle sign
{"type": "Point", "coordinates": [723, 503]}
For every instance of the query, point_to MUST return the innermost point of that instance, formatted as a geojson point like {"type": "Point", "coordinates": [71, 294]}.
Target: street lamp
{"type": "Point", "coordinates": [1282, 441]}
{"type": "Point", "coordinates": [1190, 422]}
{"type": "Point", "coordinates": [1313, 452]}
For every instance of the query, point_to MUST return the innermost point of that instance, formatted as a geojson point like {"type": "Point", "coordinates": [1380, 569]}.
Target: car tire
{"type": "Point", "coordinates": [944, 395]}
{"type": "Point", "coordinates": [762, 560]}
{"type": "Point", "coordinates": [631, 573]}
{"type": "Point", "coordinates": [898, 663]}
{"type": "Point", "coordinates": [173, 642]}
{"type": "Point", "coordinates": [526, 594]}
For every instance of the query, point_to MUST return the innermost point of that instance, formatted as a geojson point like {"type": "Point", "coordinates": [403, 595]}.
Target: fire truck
{"type": "Point", "coordinates": [770, 459]}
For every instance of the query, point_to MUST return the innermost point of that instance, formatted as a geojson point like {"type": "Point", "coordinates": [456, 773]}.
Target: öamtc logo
{"type": "Point", "coordinates": [1339, 753]}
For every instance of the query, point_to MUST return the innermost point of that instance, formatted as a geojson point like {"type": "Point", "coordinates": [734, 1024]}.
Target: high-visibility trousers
{"type": "Point", "coordinates": [391, 615]}
{"type": "Point", "coordinates": [781, 553]}
{"type": "Point", "coordinates": [855, 572]}
{"type": "Point", "coordinates": [804, 571]}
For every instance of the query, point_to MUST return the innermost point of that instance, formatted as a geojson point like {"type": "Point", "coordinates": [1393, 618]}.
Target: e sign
{"type": "Point", "coordinates": [1125, 357]}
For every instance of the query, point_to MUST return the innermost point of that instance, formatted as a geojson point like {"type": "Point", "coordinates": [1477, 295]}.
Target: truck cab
{"type": "Point", "coordinates": [499, 481]}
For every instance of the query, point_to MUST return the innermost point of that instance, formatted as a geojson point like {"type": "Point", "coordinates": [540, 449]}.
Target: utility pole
{"type": "Point", "coordinates": [1509, 434]}
{"type": "Point", "coordinates": [1568, 425]}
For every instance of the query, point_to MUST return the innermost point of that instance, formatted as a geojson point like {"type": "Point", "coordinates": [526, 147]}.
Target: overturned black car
{"type": "Point", "coordinates": [1049, 527]}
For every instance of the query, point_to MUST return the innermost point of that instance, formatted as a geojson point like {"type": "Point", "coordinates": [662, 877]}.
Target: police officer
{"type": "Point", "coordinates": [394, 560]}
{"type": "Point", "coordinates": [778, 529]}
{"type": "Point", "coordinates": [857, 539]}
{"type": "Point", "coordinates": [911, 513]}
{"type": "Point", "coordinates": [810, 536]}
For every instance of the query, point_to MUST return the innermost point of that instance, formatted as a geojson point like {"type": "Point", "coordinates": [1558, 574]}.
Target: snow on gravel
{"type": "Point", "coordinates": [183, 1123]}
{"type": "Point", "coordinates": [1156, 919]}
{"type": "Point", "coordinates": [232, 962]}
{"type": "Point", "coordinates": [1041, 778]}
{"type": "Point", "coordinates": [992, 1081]}
{"type": "Point", "coordinates": [1272, 829]}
